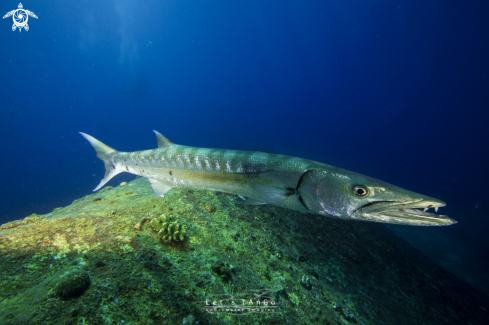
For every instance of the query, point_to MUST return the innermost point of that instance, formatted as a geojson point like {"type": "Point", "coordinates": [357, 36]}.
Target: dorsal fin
{"type": "Point", "coordinates": [162, 140]}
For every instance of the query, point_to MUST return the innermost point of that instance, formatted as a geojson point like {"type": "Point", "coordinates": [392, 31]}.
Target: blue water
{"type": "Point", "coordinates": [397, 90]}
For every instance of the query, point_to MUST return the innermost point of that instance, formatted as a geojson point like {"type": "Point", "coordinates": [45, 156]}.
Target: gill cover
{"type": "Point", "coordinates": [327, 193]}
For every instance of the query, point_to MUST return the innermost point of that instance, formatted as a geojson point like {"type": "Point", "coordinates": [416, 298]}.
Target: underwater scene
{"type": "Point", "coordinates": [250, 162]}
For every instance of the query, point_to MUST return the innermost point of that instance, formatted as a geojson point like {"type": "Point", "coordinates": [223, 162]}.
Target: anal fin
{"type": "Point", "coordinates": [159, 187]}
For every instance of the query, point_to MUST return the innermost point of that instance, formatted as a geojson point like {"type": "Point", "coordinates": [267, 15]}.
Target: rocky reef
{"type": "Point", "coordinates": [109, 258]}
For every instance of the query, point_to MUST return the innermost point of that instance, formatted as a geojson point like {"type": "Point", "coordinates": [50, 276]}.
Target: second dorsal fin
{"type": "Point", "coordinates": [162, 140]}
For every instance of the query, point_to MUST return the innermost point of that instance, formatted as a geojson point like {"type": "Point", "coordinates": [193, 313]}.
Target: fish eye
{"type": "Point", "coordinates": [360, 191]}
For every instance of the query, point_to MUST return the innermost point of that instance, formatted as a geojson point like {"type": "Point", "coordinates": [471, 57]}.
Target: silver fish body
{"type": "Point", "coordinates": [264, 178]}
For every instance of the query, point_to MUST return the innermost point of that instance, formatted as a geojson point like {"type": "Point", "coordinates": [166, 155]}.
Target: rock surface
{"type": "Point", "coordinates": [72, 284]}
{"type": "Point", "coordinates": [302, 269]}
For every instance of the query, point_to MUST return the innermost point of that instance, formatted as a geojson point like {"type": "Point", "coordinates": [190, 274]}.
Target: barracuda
{"type": "Point", "coordinates": [264, 178]}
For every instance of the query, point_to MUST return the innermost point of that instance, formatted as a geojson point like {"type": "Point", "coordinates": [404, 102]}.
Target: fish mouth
{"type": "Point", "coordinates": [414, 213]}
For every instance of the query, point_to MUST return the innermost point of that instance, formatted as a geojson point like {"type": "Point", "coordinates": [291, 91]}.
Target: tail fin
{"type": "Point", "coordinates": [103, 152]}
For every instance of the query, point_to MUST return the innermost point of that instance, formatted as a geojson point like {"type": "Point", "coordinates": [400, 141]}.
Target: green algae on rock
{"type": "Point", "coordinates": [33, 218]}
{"type": "Point", "coordinates": [72, 284]}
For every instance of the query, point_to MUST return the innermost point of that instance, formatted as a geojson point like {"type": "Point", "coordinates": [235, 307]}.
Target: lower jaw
{"type": "Point", "coordinates": [434, 220]}
{"type": "Point", "coordinates": [412, 220]}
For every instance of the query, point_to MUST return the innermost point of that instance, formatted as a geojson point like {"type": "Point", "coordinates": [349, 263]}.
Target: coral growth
{"type": "Point", "coordinates": [168, 229]}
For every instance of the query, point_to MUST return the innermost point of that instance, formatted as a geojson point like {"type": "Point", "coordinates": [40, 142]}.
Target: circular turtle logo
{"type": "Point", "coordinates": [20, 17]}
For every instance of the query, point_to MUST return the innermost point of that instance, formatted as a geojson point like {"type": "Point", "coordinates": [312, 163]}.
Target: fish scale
{"type": "Point", "coordinates": [266, 178]}
{"type": "Point", "coordinates": [183, 163]}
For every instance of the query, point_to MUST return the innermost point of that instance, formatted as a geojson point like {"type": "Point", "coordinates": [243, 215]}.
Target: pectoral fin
{"type": "Point", "coordinates": [254, 202]}
{"type": "Point", "coordinates": [271, 193]}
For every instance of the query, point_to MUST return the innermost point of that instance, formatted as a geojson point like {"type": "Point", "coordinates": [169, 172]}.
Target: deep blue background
{"type": "Point", "coordinates": [397, 90]}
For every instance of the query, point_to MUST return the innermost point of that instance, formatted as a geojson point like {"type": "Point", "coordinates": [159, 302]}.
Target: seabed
{"type": "Point", "coordinates": [100, 261]}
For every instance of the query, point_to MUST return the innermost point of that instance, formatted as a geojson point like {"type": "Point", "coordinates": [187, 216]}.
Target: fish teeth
{"type": "Point", "coordinates": [426, 209]}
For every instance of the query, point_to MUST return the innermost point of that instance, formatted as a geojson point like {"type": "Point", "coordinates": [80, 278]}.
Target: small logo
{"type": "Point", "coordinates": [20, 17]}
{"type": "Point", "coordinates": [249, 302]}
